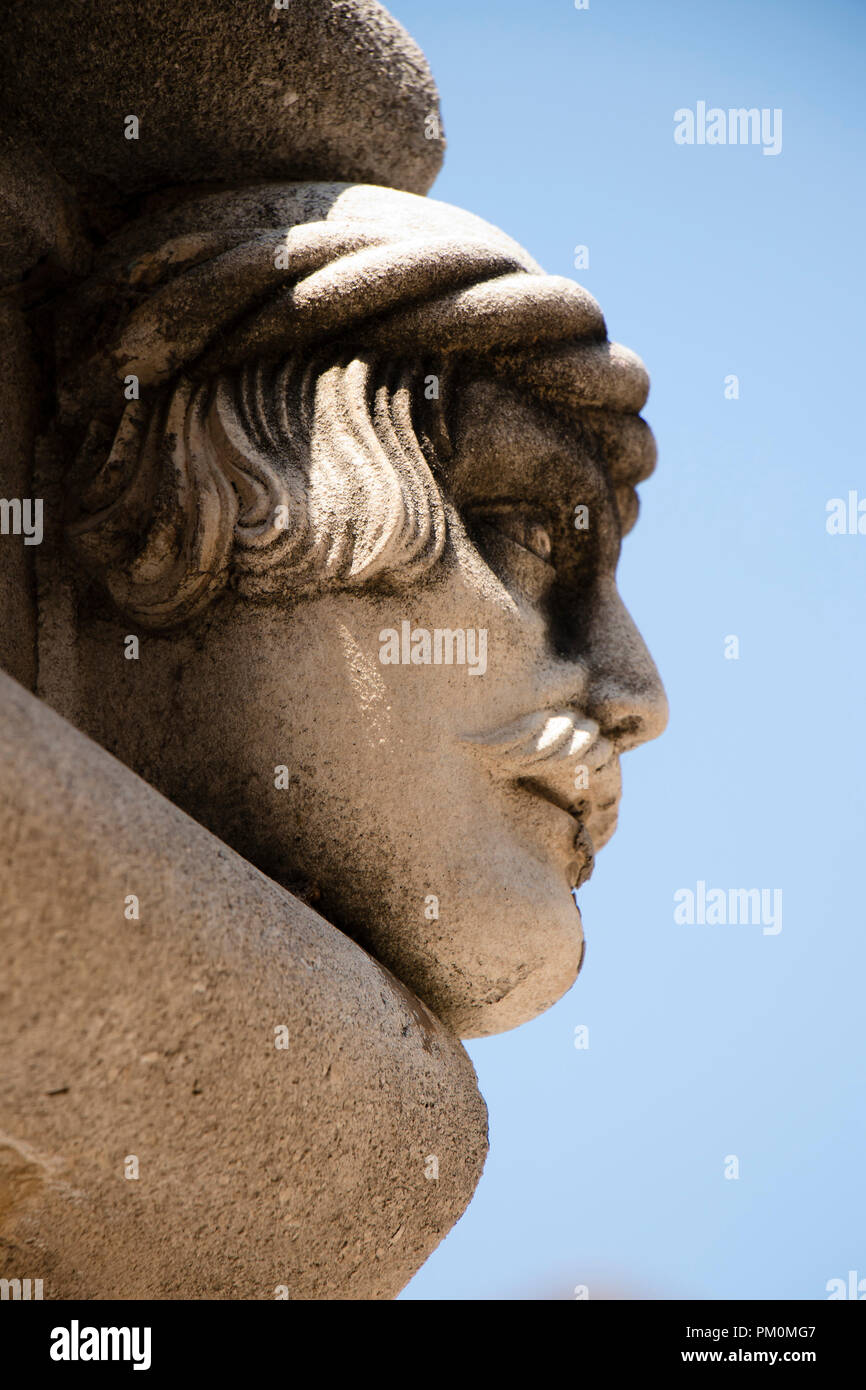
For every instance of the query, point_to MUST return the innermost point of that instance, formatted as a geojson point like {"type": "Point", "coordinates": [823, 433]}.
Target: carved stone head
{"type": "Point", "coordinates": [355, 473]}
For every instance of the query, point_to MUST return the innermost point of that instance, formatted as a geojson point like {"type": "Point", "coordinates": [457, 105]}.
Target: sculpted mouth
{"type": "Point", "coordinates": [541, 754]}
{"type": "Point", "coordinates": [580, 868]}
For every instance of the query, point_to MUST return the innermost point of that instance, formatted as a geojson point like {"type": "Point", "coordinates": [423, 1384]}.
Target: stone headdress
{"type": "Point", "coordinates": [275, 339]}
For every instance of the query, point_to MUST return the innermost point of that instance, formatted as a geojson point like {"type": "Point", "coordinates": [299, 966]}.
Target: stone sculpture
{"type": "Point", "coordinates": [334, 480]}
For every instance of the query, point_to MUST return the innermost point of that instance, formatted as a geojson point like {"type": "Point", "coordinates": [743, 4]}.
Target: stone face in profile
{"type": "Point", "coordinates": [363, 414]}
{"type": "Point", "coordinates": [334, 483]}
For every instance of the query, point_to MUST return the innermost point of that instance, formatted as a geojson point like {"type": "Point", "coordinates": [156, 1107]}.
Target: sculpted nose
{"type": "Point", "coordinates": [625, 695]}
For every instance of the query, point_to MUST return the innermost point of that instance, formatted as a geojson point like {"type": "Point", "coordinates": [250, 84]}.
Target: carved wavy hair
{"type": "Point", "coordinates": [291, 476]}
{"type": "Point", "coordinates": [284, 439]}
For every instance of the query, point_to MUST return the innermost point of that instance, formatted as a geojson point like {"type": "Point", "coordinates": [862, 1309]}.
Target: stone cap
{"type": "Point", "coordinates": [224, 91]}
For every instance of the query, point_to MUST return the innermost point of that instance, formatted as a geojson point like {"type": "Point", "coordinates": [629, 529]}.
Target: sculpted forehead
{"type": "Point", "coordinates": [509, 446]}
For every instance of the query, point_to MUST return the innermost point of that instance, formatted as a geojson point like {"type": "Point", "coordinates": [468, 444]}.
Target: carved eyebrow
{"type": "Point", "coordinates": [554, 457]}
{"type": "Point", "coordinates": [547, 477]}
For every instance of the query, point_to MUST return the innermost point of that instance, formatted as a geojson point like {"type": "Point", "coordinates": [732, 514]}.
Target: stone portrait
{"type": "Point", "coordinates": [356, 410]}
{"type": "Point", "coordinates": [336, 480]}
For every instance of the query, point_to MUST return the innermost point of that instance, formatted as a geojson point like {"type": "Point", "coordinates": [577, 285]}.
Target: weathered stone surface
{"type": "Point", "coordinates": [308, 1166]}
{"type": "Point", "coordinates": [327, 89]}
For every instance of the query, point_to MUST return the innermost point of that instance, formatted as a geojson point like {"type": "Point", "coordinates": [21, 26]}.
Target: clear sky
{"type": "Point", "coordinates": [607, 1164]}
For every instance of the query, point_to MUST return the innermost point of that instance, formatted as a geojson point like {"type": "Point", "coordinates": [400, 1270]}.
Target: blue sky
{"type": "Point", "coordinates": [607, 1164]}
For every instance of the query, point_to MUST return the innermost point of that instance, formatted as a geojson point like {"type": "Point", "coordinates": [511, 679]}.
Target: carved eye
{"type": "Point", "coordinates": [538, 541]}
{"type": "Point", "coordinates": [522, 528]}
{"type": "Point", "coordinates": [517, 544]}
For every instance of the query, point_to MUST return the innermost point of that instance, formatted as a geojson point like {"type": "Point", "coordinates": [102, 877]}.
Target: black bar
{"type": "Point", "coordinates": [225, 1338]}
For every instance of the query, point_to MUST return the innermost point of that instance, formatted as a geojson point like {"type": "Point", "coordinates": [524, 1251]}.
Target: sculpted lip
{"type": "Point", "coordinates": [544, 736]}
{"type": "Point", "coordinates": [539, 753]}
{"type": "Point", "coordinates": [580, 867]}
